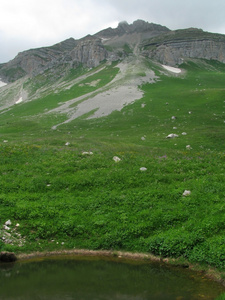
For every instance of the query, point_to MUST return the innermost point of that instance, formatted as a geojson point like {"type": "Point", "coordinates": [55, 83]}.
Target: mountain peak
{"type": "Point", "coordinates": [138, 26]}
{"type": "Point", "coordinates": [124, 26]}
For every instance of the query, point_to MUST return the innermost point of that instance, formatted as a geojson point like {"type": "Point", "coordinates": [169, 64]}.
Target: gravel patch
{"type": "Point", "coordinates": [121, 91]}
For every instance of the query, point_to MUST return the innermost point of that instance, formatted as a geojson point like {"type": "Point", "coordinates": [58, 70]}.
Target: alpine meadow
{"type": "Point", "coordinates": [119, 147]}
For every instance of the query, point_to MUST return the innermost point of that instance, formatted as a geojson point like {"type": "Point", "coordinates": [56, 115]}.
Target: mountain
{"type": "Point", "coordinates": [116, 141]}
{"type": "Point", "coordinates": [151, 40]}
{"type": "Point", "coordinates": [57, 70]}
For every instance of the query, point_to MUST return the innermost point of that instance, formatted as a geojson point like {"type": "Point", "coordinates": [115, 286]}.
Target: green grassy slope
{"type": "Point", "coordinates": [63, 199]}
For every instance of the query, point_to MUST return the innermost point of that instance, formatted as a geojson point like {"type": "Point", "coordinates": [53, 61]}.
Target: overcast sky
{"type": "Point", "coordinates": [26, 24]}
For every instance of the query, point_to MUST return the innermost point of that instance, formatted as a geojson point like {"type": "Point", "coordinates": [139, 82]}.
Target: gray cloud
{"type": "Point", "coordinates": [28, 24]}
{"type": "Point", "coordinates": [176, 14]}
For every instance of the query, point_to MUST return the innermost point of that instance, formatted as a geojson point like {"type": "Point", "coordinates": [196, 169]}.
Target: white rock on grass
{"type": "Point", "coordinates": [143, 138]}
{"type": "Point", "coordinates": [143, 169]}
{"type": "Point", "coordinates": [188, 147]}
{"type": "Point", "coordinates": [8, 223]}
{"type": "Point", "coordinates": [10, 236]}
{"type": "Point", "coordinates": [173, 118]}
{"type": "Point", "coordinates": [87, 153]}
{"type": "Point", "coordinates": [116, 159]}
{"type": "Point", "coordinates": [171, 136]}
{"type": "Point", "coordinates": [186, 193]}
{"type": "Point", "coordinates": [184, 133]}
{"type": "Point", "coordinates": [67, 144]}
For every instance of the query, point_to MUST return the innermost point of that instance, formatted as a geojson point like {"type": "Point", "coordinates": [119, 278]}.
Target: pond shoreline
{"type": "Point", "coordinates": [209, 272]}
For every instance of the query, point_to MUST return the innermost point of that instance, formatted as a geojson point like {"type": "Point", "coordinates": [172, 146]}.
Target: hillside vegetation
{"type": "Point", "coordinates": [62, 189]}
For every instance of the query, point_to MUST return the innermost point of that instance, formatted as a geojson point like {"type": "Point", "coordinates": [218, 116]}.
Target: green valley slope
{"type": "Point", "coordinates": [65, 190]}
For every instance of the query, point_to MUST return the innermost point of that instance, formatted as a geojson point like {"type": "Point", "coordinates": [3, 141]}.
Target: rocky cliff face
{"type": "Point", "coordinates": [132, 34]}
{"type": "Point", "coordinates": [151, 40]}
{"type": "Point", "coordinates": [35, 61]}
{"type": "Point", "coordinates": [173, 48]}
{"type": "Point", "coordinates": [175, 53]}
{"type": "Point", "coordinates": [90, 52]}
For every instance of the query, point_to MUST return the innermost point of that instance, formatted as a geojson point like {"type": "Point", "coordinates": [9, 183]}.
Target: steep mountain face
{"type": "Point", "coordinates": [132, 35]}
{"type": "Point", "coordinates": [89, 52]}
{"type": "Point", "coordinates": [35, 61]}
{"type": "Point", "coordinates": [176, 46]}
{"type": "Point", "coordinates": [140, 38]}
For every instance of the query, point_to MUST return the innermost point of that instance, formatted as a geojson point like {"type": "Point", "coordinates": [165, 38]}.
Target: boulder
{"type": "Point", "coordinates": [8, 223]}
{"type": "Point", "coordinates": [171, 136]}
{"type": "Point", "coordinates": [143, 169]}
{"type": "Point", "coordinates": [7, 257]}
{"type": "Point", "coordinates": [116, 159]}
{"type": "Point", "coordinates": [186, 193]}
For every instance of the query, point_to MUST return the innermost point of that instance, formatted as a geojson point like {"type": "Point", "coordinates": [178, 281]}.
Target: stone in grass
{"type": "Point", "coordinates": [188, 147]}
{"type": "Point", "coordinates": [8, 223]}
{"type": "Point", "coordinates": [7, 257]}
{"type": "Point", "coordinates": [87, 153]}
{"type": "Point", "coordinates": [171, 136]}
{"type": "Point", "coordinates": [143, 169]}
{"type": "Point", "coordinates": [186, 193]}
{"type": "Point", "coordinates": [116, 159]}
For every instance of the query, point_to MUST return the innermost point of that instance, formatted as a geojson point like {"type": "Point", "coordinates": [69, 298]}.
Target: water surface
{"type": "Point", "coordinates": [79, 278]}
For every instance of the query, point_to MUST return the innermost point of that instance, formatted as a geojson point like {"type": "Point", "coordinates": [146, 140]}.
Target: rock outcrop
{"type": "Point", "coordinates": [172, 49]}
{"type": "Point", "coordinates": [7, 257]}
{"type": "Point", "coordinates": [130, 34]}
{"type": "Point", "coordinates": [90, 52]}
{"type": "Point", "coordinates": [34, 61]}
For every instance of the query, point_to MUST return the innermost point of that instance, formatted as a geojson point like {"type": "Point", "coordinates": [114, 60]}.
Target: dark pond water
{"type": "Point", "coordinates": [79, 278]}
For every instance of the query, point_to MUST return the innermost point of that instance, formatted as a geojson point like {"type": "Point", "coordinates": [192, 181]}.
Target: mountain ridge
{"type": "Point", "coordinates": [154, 41]}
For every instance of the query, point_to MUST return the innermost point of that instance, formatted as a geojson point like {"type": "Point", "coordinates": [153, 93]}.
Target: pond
{"type": "Point", "coordinates": [82, 278]}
